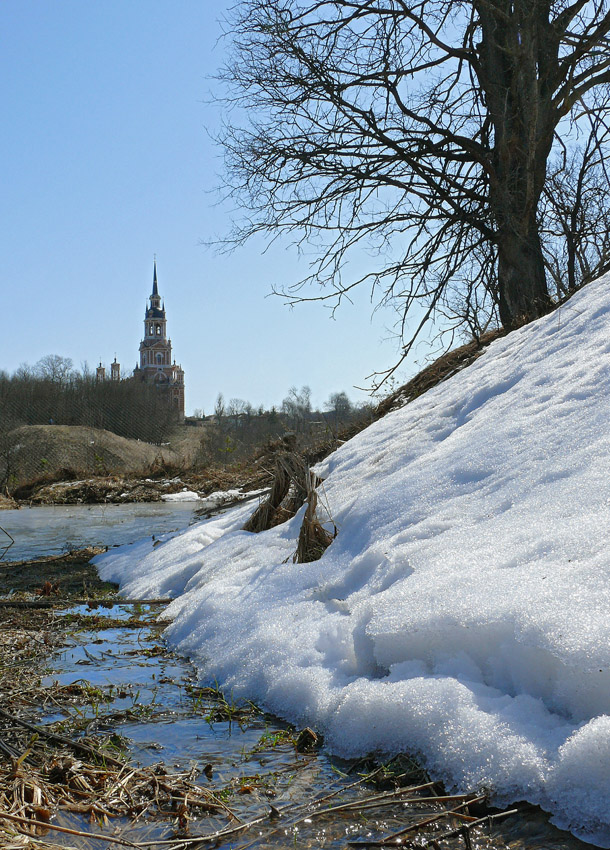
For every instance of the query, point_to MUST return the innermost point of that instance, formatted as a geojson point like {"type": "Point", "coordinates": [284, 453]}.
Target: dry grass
{"type": "Point", "coordinates": [288, 490]}
{"type": "Point", "coordinates": [442, 369]}
{"type": "Point", "coordinates": [314, 539]}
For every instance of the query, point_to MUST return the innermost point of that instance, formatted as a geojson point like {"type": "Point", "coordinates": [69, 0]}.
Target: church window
{"type": "Point", "coordinates": [158, 329]}
{"type": "Point", "coordinates": [150, 330]}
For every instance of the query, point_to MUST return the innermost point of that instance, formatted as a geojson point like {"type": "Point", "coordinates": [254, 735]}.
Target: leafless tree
{"type": "Point", "coordinates": [54, 367]}
{"type": "Point", "coordinates": [421, 129]}
{"type": "Point", "coordinates": [575, 208]}
{"type": "Point", "coordinates": [297, 408]}
{"type": "Point", "coordinates": [219, 408]}
{"type": "Point", "coordinates": [339, 405]}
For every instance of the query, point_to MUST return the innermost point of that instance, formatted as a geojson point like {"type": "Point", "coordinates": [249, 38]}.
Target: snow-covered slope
{"type": "Point", "coordinates": [463, 611]}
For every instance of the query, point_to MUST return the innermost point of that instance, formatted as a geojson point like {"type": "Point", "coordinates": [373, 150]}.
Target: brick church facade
{"type": "Point", "coordinates": [156, 364]}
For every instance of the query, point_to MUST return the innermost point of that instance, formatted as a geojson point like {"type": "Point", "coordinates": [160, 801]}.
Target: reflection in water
{"type": "Point", "coordinates": [50, 530]}
{"type": "Point", "coordinates": [149, 705]}
{"type": "Point", "coordinates": [162, 722]}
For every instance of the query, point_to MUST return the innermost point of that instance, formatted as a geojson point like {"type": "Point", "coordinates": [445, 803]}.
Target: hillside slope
{"type": "Point", "coordinates": [462, 610]}
{"type": "Point", "coordinates": [45, 450]}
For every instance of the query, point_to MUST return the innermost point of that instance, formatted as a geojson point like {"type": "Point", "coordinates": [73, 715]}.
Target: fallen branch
{"type": "Point", "coordinates": [396, 840]}
{"type": "Point", "coordinates": [463, 830]}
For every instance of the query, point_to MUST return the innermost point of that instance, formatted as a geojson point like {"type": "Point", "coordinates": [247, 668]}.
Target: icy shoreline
{"type": "Point", "coordinates": [462, 611]}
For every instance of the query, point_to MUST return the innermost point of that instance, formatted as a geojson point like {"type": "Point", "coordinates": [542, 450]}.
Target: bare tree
{"type": "Point", "coordinates": [422, 129]}
{"type": "Point", "coordinates": [236, 408]}
{"type": "Point", "coordinates": [219, 408]}
{"type": "Point", "coordinates": [575, 209]}
{"type": "Point", "coordinates": [54, 367]}
{"type": "Point", "coordinates": [297, 408]}
{"type": "Point", "coordinates": [340, 405]}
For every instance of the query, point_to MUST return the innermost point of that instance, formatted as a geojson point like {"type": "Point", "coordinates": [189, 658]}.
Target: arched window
{"type": "Point", "coordinates": [158, 330]}
{"type": "Point", "coordinates": [150, 330]}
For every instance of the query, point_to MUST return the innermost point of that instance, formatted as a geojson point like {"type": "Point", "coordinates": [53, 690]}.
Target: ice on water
{"type": "Point", "coordinates": [463, 611]}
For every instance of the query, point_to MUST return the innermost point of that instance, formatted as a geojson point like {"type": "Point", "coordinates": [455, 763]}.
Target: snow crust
{"type": "Point", "coordinates": [462, 612]}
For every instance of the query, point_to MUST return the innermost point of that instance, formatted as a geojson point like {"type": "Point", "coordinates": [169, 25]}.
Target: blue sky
{"type": "Point", "coordinates": [106, 160]}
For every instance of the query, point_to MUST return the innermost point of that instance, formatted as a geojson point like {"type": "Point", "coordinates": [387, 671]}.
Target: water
{"type": "Point", "coordinates": [51, 530]}
{"type": "Point", "coordinates": [151, 707]}
{"type": "Point", "coordinates": [181, 737]}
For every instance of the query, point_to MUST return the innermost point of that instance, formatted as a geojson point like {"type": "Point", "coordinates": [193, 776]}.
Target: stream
{"type": "Point", "coordinates": [151, 701]}
{"type": "Point", "coordinates": [51, 530]}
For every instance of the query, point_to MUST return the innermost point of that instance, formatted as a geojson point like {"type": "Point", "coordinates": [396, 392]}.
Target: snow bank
{"type": "Point", "coordinates": [462, 611]}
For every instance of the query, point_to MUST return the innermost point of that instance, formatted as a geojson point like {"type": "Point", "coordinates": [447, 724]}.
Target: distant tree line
{"type": "Point", "coordinates": [237, 427]}
{"type": "Point", "coordinates": [53, 392]}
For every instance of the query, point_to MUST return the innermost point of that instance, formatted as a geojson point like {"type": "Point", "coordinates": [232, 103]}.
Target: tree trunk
{"type": "Point", "coordinates": [515, 68]}
{"type": "Point", "coordinates": [522, 289]}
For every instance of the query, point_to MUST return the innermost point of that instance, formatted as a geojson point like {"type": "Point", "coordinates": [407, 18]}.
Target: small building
{"type": "Point", "coordinates": [115, 371]}
{"type": "Point", "coordinates": [156, 363]}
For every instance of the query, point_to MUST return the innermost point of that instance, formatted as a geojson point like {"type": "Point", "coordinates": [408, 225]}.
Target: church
{"type": "Point", "coordinates": [156, 365]}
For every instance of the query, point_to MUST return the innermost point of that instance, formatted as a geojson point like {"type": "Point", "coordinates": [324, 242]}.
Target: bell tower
{"type": "Point", "coordinates": [156, 365]}
{"type": "Point", "coordinates": [155, 348]}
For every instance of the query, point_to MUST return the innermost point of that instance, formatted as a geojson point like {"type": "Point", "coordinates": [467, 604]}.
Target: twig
{"type": "Point", "coordinates": [6, 548]}
{"type": "Point", "coordinates": [43, 825]}
{"type": "Point", "coordinates": [394, 838]}
{"type": "Point", "coordinates": [389, 797]}
{"type": "Point", "coordinates": [196, 840]}
{"type": "Point", "coordinates": [466, 827]}
{"type": "Point", "coordinates": [340, 790]}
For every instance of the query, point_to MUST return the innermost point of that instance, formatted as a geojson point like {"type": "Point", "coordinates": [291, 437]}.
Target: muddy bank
{"type": "Point", "coordinates": [56, 576]}
{"type": "Point", "coordinates": [130, 489]}
{"type": "Point", "coordinates": [98, 490]}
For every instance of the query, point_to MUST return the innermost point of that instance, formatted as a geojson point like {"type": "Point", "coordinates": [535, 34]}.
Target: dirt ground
{"type": "Point", "coordinates": [74, 451]}
{"type": "Point", "coordinates": [74, 465]}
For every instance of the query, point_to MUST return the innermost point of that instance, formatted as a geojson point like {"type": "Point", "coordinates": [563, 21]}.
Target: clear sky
{"type": "Point", "coordinates": [106, 160]}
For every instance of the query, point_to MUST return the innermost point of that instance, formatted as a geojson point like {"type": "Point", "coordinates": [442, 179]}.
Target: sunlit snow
{"type": "Point", "coordinates": [463, 611]}
{"type": "Point", "coordinates": [185, 495]}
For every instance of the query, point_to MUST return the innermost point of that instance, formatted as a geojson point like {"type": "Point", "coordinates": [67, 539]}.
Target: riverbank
{"type": "Point", "coordinates": [126, 489]}
{"type": "Point", "coordinates": [107, 740]}
{"type": "Point", "coordinates": [55, 577]}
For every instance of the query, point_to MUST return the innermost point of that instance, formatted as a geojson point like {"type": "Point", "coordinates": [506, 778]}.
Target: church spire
{"type": "Point", "coordinates": [155, 290]}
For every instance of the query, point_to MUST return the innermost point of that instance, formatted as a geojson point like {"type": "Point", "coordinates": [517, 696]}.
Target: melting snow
{"type": "Point", "coordinates": [462, 612]}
